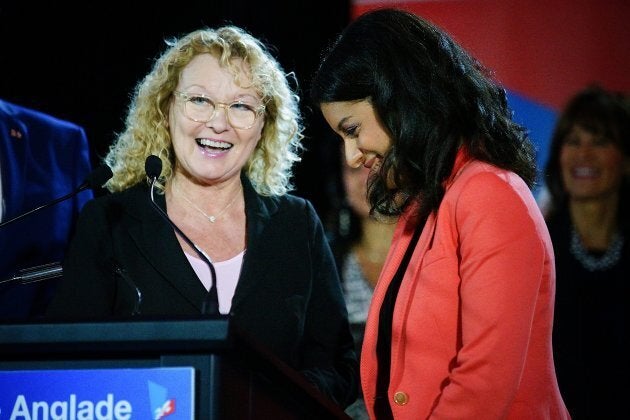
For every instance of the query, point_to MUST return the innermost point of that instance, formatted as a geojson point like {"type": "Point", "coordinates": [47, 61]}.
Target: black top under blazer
{"type": "Point", "coordinates": [288, 295]}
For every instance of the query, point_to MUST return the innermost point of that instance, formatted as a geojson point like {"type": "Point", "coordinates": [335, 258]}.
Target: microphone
{"type": "Point", "coordinates": [36, 274]}
{"type": "Point", "coordinates": [153, 169]}
{"type": "Point", "coordinates": [95, 179]}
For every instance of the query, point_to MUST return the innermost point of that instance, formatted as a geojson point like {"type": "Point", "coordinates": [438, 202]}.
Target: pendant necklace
{"type": "Point", "coordinates": [211, 218]}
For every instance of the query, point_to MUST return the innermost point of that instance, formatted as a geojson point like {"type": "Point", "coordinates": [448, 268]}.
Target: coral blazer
{"type": "Point", "coordinates": [471, 333]}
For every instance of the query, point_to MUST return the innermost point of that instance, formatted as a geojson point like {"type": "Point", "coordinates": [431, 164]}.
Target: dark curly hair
{"type": "Point", "coordinates": [601, 112]}
{"type": "Point", "coordinates": [433, 98]}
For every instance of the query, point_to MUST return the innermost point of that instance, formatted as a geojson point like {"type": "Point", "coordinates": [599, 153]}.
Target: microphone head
{"type": "Point", "coordinates": [98, 177]}
{"type": "Point", "coordinates": [153, 166]}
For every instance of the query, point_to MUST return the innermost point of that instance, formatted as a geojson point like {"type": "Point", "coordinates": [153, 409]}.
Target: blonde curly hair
{"type": "Point", "coordinates": [146, 127]}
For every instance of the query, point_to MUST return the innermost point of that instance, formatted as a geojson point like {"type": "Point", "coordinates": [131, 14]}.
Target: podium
{"type": "Point", "coordinates": [234, 377]}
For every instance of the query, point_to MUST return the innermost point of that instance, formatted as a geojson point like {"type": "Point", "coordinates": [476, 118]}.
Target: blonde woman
{"type": "Point", "coordinates": [220, 113]}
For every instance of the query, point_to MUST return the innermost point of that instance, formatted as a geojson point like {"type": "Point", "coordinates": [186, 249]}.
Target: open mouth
{"type": "Point", "coordinates": [584, 172]}
{"type": "Point", "coordinates": [214, 145]}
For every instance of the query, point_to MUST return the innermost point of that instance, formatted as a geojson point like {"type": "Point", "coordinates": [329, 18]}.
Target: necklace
{"type": "Point", "coordinates": [210, 217]}
{"type": "Point", "coordinates": [592, 263]}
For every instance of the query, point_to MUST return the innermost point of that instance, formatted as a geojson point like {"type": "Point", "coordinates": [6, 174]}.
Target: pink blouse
{"type": "Point", "coordinates": [227, 273]}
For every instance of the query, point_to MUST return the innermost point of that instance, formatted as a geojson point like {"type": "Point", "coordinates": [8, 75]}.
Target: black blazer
{"type": "Point", "coordinates": [288, 296]}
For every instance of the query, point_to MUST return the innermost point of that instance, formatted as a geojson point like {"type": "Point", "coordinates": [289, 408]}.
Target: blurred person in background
{"type": "Point", "coordinates": [42, 158]}
{"type": "Point", "coordinates": [360, 243]}
{"type": "Point", "coordinates": [588, 215]}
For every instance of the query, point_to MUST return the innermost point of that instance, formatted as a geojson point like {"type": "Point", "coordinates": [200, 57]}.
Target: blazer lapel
{"type": "Point", "coordinates": [259, 211]}
{"type": "Point", "coordinates": [156, 241]}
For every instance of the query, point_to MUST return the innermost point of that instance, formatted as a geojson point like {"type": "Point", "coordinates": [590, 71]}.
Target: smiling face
{"type": "Point", "coordinates": [213, 151]}
{"type": "Point", "coordinates": [366, 141]}
{"type": "Point", "coordinates": [592, 167]}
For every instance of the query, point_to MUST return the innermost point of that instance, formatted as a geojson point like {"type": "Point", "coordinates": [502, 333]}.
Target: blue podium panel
{"type": "Point", "coordinates": [99, 394]}
{"type": "Point", "coordinates": [129, 369]}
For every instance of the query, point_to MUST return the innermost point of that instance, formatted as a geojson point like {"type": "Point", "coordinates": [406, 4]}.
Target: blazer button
{"type": "Point", "coordinates": [401, 398]}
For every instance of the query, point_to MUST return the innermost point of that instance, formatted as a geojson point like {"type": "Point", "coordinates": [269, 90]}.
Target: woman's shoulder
{"type": "Point", "coordinates": [482, 185]}
{"type": "Point", "coordinates": [286, 202]}
{"type": "Point", "coordinates": [132, 197]}
{"type": "Point", "coordinates": [294, 200]}
{"type": "Point", "coordinates": [130, 193]}
{"type": "Point", "coordinates": [484, 176]}
{"type": "Point", "coordinates": [287, 210]}
{"type": "Point", "coordinates": [475, 167]}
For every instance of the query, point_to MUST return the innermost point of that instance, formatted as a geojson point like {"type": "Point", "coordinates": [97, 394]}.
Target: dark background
{"type": "Point", "coordinates": [81, 63]}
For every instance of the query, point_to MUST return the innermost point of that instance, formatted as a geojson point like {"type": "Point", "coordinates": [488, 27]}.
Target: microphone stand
{"type": "Point", "coordinates": [36, 274]}
{"type": "Point", "coordinates": [95, 179]}
{"type": "Point", "coordinates": [65, 197]}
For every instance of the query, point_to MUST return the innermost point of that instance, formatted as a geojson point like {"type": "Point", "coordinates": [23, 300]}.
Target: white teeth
{"type": "Point", "coordinates": [584, 171]}
{"type": "Point", "coordinates": [214, 143]}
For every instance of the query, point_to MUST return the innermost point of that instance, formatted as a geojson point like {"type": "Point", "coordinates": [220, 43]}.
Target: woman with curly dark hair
{"type": "Point", "coordinates": [461, 318]}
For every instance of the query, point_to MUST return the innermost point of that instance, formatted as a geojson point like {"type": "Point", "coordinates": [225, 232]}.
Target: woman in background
{"type": "Point", "coordinates": [588, 214]}
{"type": "Point", "coordinates": [360, 243]}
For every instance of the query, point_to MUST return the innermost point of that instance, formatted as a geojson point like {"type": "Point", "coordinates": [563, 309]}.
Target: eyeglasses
{"type": "Point", "coordinates": [200, 108]}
